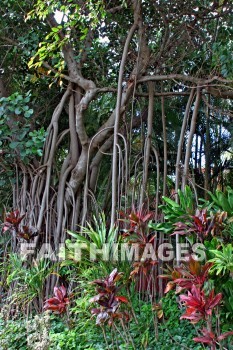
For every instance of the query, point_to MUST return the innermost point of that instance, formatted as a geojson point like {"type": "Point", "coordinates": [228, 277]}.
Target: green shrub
{"type": "Point", "coordinates": [13, 332]}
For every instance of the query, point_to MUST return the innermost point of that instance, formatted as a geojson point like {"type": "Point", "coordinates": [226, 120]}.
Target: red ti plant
{"type": "Point", "coordinates": [12, 221]}
{"type": "Point", "coordinates": [172, 276]}
{"type": "Point", "coordinates": [108, 300]}
{"type": "Point", "coordinates": [26, 233]}
{"type": "Point", "coordinates": [138, 233]}
{"type": "Point", "coordinates": [198, 305]}
{"type": "Point", "coordinates": [210, 338]}
{"type": "Point", "coordinates": [201, 225]}
{"type": "Point", "coordinates": [59, 302]}
{"type": "Point", "coordinates": [191, 276]}
{"type": "Point", "coordinates": [138, 221]}
{"type": "Point", "coordinates": [190, 272]}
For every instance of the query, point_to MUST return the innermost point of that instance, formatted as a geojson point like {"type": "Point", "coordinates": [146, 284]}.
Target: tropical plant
{"type": "Point", "coordinates": [204, 227]}
{"type": "Point", "coordinates": [66, 73]}
{"type": "Point", "coordinates": [12, 224]}
{"type": "Point", "coordinates": [223, 201]}
{"type": "Point", "coordinates": [174, 212]}
{"type": "Point", "coordinates": [190, 272]}
{"type": "Point", "coordinates": [221, 274]}
{"type": "Point", "coordinates": [12, 221]}
{"type": "Point", "coordinates": [108, 300]}
{"type": "Point", "coordinates": [223, 260]}
{"type": "Point", "coordinates": [59, 302]}
{"type": "Point", "coordinates": [123, 89]}
{"type": "Point", "coordinates": [210, 338]}
{"type": "Point", "coordinates": [96, 237]}
{"type": "Point", "coordinates": [200, 302]}
{"type": "Point", "coordinates": [27, 280]}
{"type": "Point", "coordinates": [137, 233]}
{"type": "Point", "coordinates": [198, 305]}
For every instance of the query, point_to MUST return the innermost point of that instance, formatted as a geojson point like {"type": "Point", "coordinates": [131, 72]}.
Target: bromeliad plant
{"type": "Point", "coordinates": [96, 234]}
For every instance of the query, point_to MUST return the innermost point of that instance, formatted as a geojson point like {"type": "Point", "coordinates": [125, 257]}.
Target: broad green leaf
{"type": "Point", "coordinates": [222, 199]}
{"type": "Point", "coordinates": [170, 202]}
{"type": "Point", "coordinates": [18, 111]}
{"type": "Point", "coordinates": [14, 144]}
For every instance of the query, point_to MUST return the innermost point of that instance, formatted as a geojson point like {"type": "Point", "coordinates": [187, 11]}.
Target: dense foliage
{"type": "Point", "coordinates": [116, 156]}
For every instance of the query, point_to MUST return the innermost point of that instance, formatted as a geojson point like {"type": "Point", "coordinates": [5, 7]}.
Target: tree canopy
{"type": "Point", "coordinates": [107, 105]}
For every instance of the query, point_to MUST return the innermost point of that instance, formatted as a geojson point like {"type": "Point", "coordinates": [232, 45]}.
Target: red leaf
{"type": "Point", "coordinates": [6, 226]}
{"type": "Point", "coordinates": [184, 283]}
{"type": "Point", "coordinates": [112, 275]}
{"type": "Point", "coordinates": [59, 302]}
{"type": "Point", "coordinates": [58, 293]}
{"type": "Point", "coordinates": [95, 311]}
{"type": "Point", "coordinates": [63, 290]}
{"type": "Point", "coordinates": [147, 217]}
{"type": "Point", "coordinates": [194, 317]}
{"type": "Point", "coordinates": [225, 335]}
{"type": "Point", "coordinates": [100, 283]}
{"type": "Point", "coordinates": [13, 218]}
{"type": "Point", "coordinates": [51, 307]}
{"type": "Point", "coordinates": [169, 286]}
{"type": "Point", "coordinates": [215, 301]}
{"type": "Point", "coordinates": [122, 299]}
{"type": "Point", "coordinates": [209, 337]}
{"type": "Point", "coordinates": [53, 301]}
{"type": "Point", "coordinates": [96, 297]}
{"type": "Point", "coordinates": [203, 340]}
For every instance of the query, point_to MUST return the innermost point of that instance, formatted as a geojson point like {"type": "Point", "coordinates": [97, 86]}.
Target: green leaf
{"type": "Point", "coordinates": [14, 144]}
{"type": "Point", "coordinates": [28, 113]}
{"type": "Point", "coordinates": [39, 152]}
{"type": "Point", "coordinates": [170, 202]}
{"type": "Point", "coordinates": [78, 237]}
{"type": "Point", "coordinates": [18, 111]}
{"type": "Point", "coordinates": [55, 29]}
{"type": "Point", "coordinates": [23, 153]}
{"type": "Point", "coordinates": [230, 196]}
{"type": "Point", "coordinates": [222, 199]}
{"type": "Point", "coordinates": [29, 143]}
{"type": "Point", "coordinates": [182, 199]}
